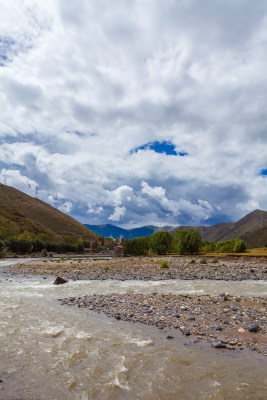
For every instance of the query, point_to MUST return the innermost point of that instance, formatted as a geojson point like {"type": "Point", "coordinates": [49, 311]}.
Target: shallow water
{"type": "Point", "coordinates": [55, 352]}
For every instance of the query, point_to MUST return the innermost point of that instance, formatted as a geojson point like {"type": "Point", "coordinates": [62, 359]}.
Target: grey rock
{"type": "Point", "coordinates": [218, 345]}
{"type": "Point", "coordinates": [254, 327]}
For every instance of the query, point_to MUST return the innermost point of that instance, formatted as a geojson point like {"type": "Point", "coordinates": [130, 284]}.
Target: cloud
{"type": "Point", "coordinates": [66, 207]}
{"type": "Point", "coordinates": [83, 84]}
{"type": "Point", "coordinates": [117, 214]}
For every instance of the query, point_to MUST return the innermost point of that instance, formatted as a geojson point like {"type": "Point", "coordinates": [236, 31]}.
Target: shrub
{"type": "Point", "coordinates": [44, 253]}
{"type": "Point", "coordinates": [2, 247]}
{"type": "Point", "coordinates": [203, 261]}
{"type": "Point", "coordinates": [192, 262]}
{"type": "Point", "coordinates": [164, 264]}
{"type": "Point", "coordinates": [214, 261]}
{"type": "Point", "coordinates": [239, 246]}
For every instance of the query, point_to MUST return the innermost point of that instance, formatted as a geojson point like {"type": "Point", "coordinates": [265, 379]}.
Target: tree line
{"type": "Point", "coordinates": [181, 242]}
{"type": "Point", "coordinates": [25, 242]}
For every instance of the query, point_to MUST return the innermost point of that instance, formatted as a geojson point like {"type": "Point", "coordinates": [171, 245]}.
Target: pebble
{"type": "Point", "coordinates": [206, 311]}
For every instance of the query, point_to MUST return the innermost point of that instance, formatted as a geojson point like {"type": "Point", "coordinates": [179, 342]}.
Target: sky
{"type": "Point", "coordinates": [136, 112]}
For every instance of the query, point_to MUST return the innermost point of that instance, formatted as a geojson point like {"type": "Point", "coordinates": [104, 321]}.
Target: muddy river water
{"type": "Point", "coordinates": [49, 351]}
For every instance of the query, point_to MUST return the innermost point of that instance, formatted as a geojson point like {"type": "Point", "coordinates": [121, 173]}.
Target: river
{"type": "Point", "coordinates": [49, 351]}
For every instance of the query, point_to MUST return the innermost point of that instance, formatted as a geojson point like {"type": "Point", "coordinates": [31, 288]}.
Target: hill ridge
{"type": "Point", "coordinates": [28, 213]}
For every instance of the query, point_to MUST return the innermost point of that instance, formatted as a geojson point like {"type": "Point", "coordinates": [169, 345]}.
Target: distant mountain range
{"type": "Point", "coordinates": [252, 229]}
{"type": "Point", "coordinates": [23, 212]}
{"type": "Point", "coordinates": [109, 230]}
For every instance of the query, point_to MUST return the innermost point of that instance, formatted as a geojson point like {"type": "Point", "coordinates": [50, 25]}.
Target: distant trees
{"type": "Point", "coordinates": [137, 246]}
{"type": "Point", "coordinates": [186, 242]}
{"type": "Point", "coordinates": [181, 242]}
{"type": "Point", "coordinates": [231, 246]}
{"type": "Point", "coordinates": [160, 242]}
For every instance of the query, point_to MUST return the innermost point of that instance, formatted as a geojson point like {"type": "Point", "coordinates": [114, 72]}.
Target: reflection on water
{"type": "Point", "coordinates": [49, 351]}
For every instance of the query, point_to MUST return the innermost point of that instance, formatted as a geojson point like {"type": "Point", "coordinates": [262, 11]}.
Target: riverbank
{"type": "Point", "coordinates": [150, 268]}
{"type": "Point", "coordinates": [224, 321]}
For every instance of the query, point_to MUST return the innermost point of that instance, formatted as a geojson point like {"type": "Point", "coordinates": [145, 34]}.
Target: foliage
{"type": "Point", "coordinates": [137, 246]}
{"type": "Point", "coordinates": [44, 253]}
{"type": "Point", "coordinates": [2, 247]}
{"type": "Point", "coordinates": [231, 246]}
{"type": "Point", "coordinates": [164, 264]}
{"type": "Point", "coordinates": [186, 242]}
{"type": "Point", "coordinates": [20, 246]}
{"type": "Point", "coordinates": [160, 242]}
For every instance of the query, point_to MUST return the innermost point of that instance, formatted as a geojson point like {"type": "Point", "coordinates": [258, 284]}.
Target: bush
{"type": "Point", "coordinates": [203, 261]}
{"type": "Point", "coordinates": [192, 262]}
{"type": "Point", "coordinates": [2, 247]}
{"type": "Point", "coordinates": [239, 246]}
{"type": "Point", "coordinates": [164, 264]}
{"type": "Point", "coordinates": [44, 253]}
{"type": "Point", "coordinates": [231, 246]}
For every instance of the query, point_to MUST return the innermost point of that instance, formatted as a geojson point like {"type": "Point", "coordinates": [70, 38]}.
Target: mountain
{"type": "Point", "coordinates": [27, 213]}
{"type": "Point", "coordinates": [252, 229]}
{"type": "Point", "coordinates": [108, 230]}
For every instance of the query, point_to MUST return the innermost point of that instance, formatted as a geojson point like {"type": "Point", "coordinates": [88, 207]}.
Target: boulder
{"type": "Point", "coordinates": [60, 281]}
{"type": "Point", "coordinates": [254, 327]}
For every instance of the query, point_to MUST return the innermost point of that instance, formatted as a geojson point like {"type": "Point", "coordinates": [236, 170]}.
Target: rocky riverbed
{"type": "Point", "coordinates": [145, 268]}
{"type": "Point", "coordinates": [224, 321]}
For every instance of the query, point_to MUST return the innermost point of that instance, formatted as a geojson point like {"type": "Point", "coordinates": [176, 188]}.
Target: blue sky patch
{"type": "Point", "coordinates": [264, 172]}
{"type": "Point", "coordinates": [160, 147]}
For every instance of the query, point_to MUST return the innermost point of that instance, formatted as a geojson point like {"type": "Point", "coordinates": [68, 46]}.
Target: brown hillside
{"type": "Point", "coordinates": [27, 213]}
{"type": "Point", "coordinates": [252, 229]}
{"type": "Point", "coordinates": [214, 233]}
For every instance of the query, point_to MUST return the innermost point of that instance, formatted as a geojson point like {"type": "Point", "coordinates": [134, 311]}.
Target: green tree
{"type": "Point", "coordinates": [239, 246]}
{"type": "Point", "coordinates": [186, 242]}
{"type": "Point", "coordinates": [194, 241]}
{"type": "Point", "coordinates": [160, 242]}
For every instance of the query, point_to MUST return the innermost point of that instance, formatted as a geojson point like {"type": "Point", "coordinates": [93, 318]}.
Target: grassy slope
{"type": "Point", "coordinates": [34, 215]}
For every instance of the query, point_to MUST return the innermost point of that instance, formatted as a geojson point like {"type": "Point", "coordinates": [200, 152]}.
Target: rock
{"type": "Point", "coordinates": [186, 332]}
{"type": "Point", "coordinates": [169, 337]}
{"type": "Point", "coordinates": [253, 328]}
{"type": "Point", "coordinates": [241, 330]}
{"type": "Point", "coordinates": [218, 345]}
{"type": "Point", "coordinates": [60, 281]}
{"type": "Point", "coordinates": [218, 328]}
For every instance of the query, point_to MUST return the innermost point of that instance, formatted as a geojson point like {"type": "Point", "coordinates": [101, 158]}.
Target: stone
{"type": "Point", "coordinates": [169, 337]}
{"type": "Point", "coordinates": [254, 327]}
{"type": "Point", "coordinates": [60, 281]}
{"type": "Point", "coordinates": [218, 345]}
{"type": "Point", "coordinates": [186, 332]}
{"type": "Point", "coordinates": [218, 328]}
